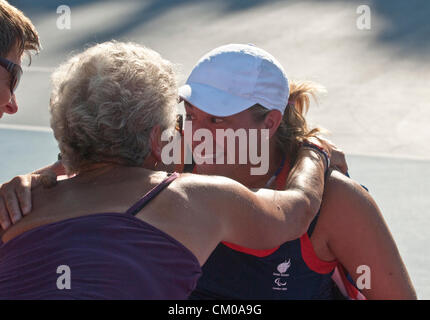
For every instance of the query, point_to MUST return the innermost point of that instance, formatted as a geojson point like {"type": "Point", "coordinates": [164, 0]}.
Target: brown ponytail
{"type": "Point", "coordinates": [294, 128]}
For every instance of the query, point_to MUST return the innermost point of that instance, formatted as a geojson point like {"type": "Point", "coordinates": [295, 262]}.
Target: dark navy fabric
{"type": "Point", "coordinates": [230, 274]}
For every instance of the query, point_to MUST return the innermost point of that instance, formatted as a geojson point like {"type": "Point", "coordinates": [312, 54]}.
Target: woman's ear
{"type": "Point", "coordinates": [272, 121]}
{"type": "Point", "coordinates": [154, 160]}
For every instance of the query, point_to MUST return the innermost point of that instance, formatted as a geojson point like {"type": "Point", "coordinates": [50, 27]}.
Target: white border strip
{"type": "Point", "coordinates": [25, 128]}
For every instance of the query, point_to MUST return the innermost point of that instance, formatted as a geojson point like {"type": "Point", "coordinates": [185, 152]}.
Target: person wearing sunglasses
{"type": "Point", "coordinates": [15, 72]}
{"type": "Point", "coordinates": [18, 36]}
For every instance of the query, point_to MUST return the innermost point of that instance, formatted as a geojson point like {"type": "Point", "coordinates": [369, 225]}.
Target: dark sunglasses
{"type": "Point", "coordinates": [15, 72]}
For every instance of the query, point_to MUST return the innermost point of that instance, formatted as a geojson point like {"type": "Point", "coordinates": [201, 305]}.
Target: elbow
{"type": "Point", "coordinates": [306, 220]}
{"type": "Point", "coordinates": [298, 220]}
{"type": "Point", "coordinates": [302, 209]}
{"type": "Point", "coordinates": [313, 204]}
{"type": "Point", "coordinates": [308, 208]}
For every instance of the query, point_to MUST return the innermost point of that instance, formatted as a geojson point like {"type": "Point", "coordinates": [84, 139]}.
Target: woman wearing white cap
{"type": "Point", "coordinates": [244, 87]}
{"type": "Point", "coordinates": [95, 236]}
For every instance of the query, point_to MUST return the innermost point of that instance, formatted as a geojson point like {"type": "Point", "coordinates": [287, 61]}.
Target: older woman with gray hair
{"type": "Point", "coordinates": [94, 236]}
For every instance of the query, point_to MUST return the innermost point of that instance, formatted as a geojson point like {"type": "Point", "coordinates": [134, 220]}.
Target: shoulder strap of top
{"type": "Point", "coordinates": [134, 209]}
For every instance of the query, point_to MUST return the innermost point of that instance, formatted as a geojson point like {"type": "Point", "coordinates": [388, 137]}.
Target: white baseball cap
{"type": "Point", "coordinates": [233, 78]}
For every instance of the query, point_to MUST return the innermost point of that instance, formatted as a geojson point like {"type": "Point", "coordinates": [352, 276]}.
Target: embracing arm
{"type": "Point", "coordinates": [266, 218]}
{"type": "Point", "coordinates": [357, 235]}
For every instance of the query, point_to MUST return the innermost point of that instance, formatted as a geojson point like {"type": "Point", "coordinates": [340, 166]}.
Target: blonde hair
{"type": "Point", "coordinates": [16, 31]}
{"type": "Point", "coordinates": [294, 129]}
{"type": "Point", "coordinates": [106, 100]}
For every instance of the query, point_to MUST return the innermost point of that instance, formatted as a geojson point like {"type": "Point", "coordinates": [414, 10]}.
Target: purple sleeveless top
{"type": "Point", "coordinates": [98, 256]}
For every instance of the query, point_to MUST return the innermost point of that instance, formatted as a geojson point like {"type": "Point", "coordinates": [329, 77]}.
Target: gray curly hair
{"type": "Point", "coordinates": [106, 100]}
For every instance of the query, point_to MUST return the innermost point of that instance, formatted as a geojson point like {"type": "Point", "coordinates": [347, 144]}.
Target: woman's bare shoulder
{"type": "Point", "coordinates": [216, 195]}
{"type": "Point", "coordinates": [347, 204]}
{"type": "Point", "coordinates": [340, 188]}
{"type": "Point", "coordinates": [205, 185]}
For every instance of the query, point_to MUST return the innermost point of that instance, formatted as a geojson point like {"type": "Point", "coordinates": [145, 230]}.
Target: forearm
{"type": "Point", "coordinates": [296, 206]}
{"type": "Point", "coordinates": [307, 179]}
{"type": "Point", "coordinates": [272, 217]}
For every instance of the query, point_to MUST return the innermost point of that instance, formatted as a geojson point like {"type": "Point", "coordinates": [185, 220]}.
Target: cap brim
{"type": "Point", "coordinates": [213, 101]}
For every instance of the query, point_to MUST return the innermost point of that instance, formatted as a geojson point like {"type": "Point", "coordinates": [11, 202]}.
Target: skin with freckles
{"type": "Point", "coordinates": [8, 102]}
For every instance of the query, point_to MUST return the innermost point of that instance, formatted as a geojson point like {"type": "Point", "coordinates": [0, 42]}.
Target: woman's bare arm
{"type": "Point", "coordinates": [263, 218]}
{"type": "Point", "coordinates": [357, 235]}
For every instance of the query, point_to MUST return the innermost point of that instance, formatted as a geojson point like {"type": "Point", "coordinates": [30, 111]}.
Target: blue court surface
{"type": "Point", "coordinates": [399, 186]}
{"type": "Point", "coordinates": [22, 151]}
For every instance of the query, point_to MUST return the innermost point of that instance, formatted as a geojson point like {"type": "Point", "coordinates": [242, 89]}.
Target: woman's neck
{"type": "Point", "coordinates": [103, 170]}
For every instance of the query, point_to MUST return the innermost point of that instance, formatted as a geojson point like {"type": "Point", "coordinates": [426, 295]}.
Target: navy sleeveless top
{"type": "Point", "coordinates": [104, 256]}
{"type": "Point", "coordinates": [291, 271]}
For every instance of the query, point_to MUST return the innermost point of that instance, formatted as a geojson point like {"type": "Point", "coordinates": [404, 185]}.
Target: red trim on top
{"type": "Point", "coordinates": [311, 259]}
{"type": "Point", "coordinates": [253, 252]}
